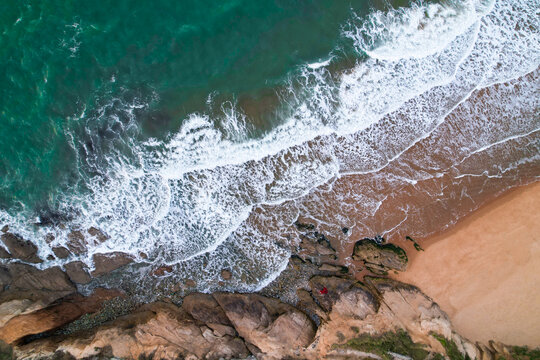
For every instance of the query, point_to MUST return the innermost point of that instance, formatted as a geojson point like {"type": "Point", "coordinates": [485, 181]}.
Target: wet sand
{"type": "Point", "coordinates": [485, 271]}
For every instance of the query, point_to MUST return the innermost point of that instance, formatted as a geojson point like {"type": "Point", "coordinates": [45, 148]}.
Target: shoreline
{"type": "Point", "coordinates": [488, 287]}
{"type": "Point", "coordinates": [315, 309]}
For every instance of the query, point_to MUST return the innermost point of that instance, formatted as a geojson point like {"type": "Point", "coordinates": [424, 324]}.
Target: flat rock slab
{"type": "Point", "coordinates": [21, 249]}
{"type": "Point", "coordinates": [77, 272]}
{"type": "Point", "coordinates": [106, 263]}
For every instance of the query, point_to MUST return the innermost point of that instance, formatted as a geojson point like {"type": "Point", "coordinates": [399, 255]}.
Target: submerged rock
{"type": "Point", "coordinates": [98, 234]}
{"type": "Point", "coordinates": [226, 274]}
{"type": "Point", "coordinates": [76, 242]}
{"type": "Point", "coordinates": [162, 270]}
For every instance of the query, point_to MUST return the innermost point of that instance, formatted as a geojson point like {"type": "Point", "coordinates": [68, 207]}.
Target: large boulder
{"type": "Point", "coordinates": [61, 252]}
{"type": "Point", "coordinates": [380, 258]}
{"type": "Point", "coordinates": [106, 263]}
{"type": "Point", "coordinates": [77, 272]}
{"type": "Point", "coordinates": [276, 329]}
{"type": "Point", "coordinates": [21, 249]}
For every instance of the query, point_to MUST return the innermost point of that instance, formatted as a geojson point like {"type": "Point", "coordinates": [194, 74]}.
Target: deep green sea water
{"type": "Point", "coordinates": [135, 69]}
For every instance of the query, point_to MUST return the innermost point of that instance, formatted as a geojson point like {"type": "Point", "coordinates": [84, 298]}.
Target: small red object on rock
{"type": "Point", "coordinates": [324, 291]}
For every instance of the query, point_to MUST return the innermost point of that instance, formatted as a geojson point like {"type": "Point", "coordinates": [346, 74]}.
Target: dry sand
{"type": "Point", "coordinates": [485, 271]}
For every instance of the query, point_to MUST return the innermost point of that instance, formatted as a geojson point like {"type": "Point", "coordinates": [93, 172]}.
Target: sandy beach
{"type": "Point", "coordinates": [484, 272]}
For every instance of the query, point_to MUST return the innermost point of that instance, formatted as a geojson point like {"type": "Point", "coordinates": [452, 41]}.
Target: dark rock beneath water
{"type": "Point", "coordinates": [106, 263]}
{"type": "Point", "coordinates": [226, 274]}
{"type": "Point", "coordinates": [98, 234]}
{"type": "Point", "coordinates": [76, 242]}
{"type": "Point", "coordinates": [78, 272]}
{"type": "Point", "coordinates": [162, 270]}
{"type": "Point", "coordinates": [49, 238]}
{"type": "Point", "coordinates": [49, 217]}
{"type": "Point", "coordinates": [304, 227]}
{"type": "Point", "coordinates": [5, 229]}
{"type": "Point", "coordinates": [21, 249]}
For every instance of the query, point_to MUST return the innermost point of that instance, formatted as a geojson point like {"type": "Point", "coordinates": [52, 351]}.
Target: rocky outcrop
{"type": "Point", "coordinates": [26, 289]}
{"type": "Point", "coordinates": [380, 258]}
{"type": "Point", "coordinates": [335, 316]}
{"type": "Point", "coordinates": [228, 325]}
{"type": "Point", "coordinates": [62, 312]}
{"type": "Point", "coordinates": [77, 272]}
{"type": "Point", "coordinates": [19, 248]}
{"type": "Point", "coordinates": [273, 329]}
{"type": "Point", "coordinates": [314, 246]}
{"type": "Point", "coordinates": [105, 263]}
{"type": "Point", "coordinates": [160, 330]}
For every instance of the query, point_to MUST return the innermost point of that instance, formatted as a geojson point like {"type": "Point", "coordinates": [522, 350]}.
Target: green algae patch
{"type": "Point", "coordinates": [6, 352]}
{"type": "Point", "coordinates": [398, 342]}
{"type": "Point", "coordinates": [524, 353]}
{"type": "Point", "coordinates": [452, 351]}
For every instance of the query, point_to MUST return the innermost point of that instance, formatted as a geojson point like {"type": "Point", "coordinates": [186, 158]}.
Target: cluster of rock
{"type": "Point", "coordinates": [17, 248]}
{"type": "Point", "coordinates": [229, 325]}
{"type": "Point", "coordinates": [334, 315]}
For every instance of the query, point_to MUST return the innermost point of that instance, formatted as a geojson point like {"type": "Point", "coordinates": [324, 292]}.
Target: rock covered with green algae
{"type": "Point", "coordinates": [380, 258]}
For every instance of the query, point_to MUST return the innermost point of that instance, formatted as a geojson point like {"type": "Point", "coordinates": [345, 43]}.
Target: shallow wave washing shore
{"type": "Point", "coordinates": [441, 115]}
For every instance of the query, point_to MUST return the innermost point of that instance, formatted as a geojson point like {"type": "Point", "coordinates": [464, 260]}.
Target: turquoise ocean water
{"type": "Point", "coordinates": [70, 69]}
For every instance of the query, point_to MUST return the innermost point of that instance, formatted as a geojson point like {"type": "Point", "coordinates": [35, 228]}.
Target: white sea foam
{"type": "Point", "coordinates": [416, 31]}
{"type": "Point", "coordinates": [212, 197]}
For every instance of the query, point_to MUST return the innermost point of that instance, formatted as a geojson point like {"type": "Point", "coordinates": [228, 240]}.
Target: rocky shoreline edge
{"type": "Point", "coordinates": [315, 309]}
